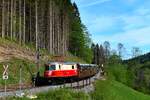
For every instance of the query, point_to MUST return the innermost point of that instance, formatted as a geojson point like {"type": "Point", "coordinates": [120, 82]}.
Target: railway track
{"type": "Point", "coordinates": [82, 85]}
{"type": "Point", "coordinates": [15, 87]}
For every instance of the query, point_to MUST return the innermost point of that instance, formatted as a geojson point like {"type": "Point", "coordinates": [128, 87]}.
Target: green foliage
{"type": "Point", "coordinates": [118, 71]}
{"type": "Point", "coordinates": [59, 94]}
{"type": "Point", "coordinates": [113, 90]}
{"type": "Point", "coordinates": [139, 67]}
{"type": "Point", "coordinates": [114, 59]}
{"type": "Point", "coordinates": [79, 38]}
{"type": "Point", "coordinates": [13, 71]}
{"type": "Point", "coordinates": [140, 59]}
{"type": "Point", "coordinates": [63, 94]}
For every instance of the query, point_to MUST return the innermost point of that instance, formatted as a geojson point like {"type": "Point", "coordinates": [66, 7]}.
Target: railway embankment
{"type": "Point", "coordinates": [85, 86]}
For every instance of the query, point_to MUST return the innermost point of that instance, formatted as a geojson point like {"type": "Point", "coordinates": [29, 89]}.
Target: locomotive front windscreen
{"type": "Point", "coordinates": [51, 67]}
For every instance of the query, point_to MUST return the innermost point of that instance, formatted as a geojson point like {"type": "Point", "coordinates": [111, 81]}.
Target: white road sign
{"type": "Point", "coordinates": [5, 73]}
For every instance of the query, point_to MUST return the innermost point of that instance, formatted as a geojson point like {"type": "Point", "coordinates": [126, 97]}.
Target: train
{"type": "Point", "coordinates": [69, 71]}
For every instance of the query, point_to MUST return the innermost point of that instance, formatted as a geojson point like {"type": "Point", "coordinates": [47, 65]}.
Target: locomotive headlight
{"type": "Point", "coordinates": [50, 73]}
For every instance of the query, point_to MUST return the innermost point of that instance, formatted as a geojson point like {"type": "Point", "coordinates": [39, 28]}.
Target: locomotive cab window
{"type": "Point", "coordinates": [59, 67]}
{"type": "Point", "coordinates": [52, 67]}
{"type": "Point", "coordinates": [72, 67]}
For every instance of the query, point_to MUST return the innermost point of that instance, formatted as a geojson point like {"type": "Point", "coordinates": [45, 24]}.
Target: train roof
{"type": "Point", "coordinates": [72, 63]}
{"type": "Point", "coordinates": [67, 63]}
{"type": "Point", "coordinates": [85, 65]}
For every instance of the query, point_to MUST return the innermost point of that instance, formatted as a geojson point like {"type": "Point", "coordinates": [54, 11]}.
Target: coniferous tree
{"type": "Point", "coordinates": [54, 25]}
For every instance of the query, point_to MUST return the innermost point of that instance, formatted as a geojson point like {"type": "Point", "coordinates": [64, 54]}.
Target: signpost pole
{"type": "Point", "coordinates": [5, 88]}
{"type": "Point", "coordinates": [20, 82]}
{"type": "Point", "coordinates": [5, 77]}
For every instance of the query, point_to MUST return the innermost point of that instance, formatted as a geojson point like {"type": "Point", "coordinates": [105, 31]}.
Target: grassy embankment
{"type": "Point", "coordinates": [114, 88]}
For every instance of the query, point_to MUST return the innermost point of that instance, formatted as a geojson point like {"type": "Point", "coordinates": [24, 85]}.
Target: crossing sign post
{"type": "Point", "coordinates": [5, 76]}
{"type": "Point", "coordinates": [5, 73]}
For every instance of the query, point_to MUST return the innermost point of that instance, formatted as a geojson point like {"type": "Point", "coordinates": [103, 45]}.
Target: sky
{"type": "Point", "coordinates": [117, 21]}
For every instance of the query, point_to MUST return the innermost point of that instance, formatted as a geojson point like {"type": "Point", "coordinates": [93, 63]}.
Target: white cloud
{"type": "Point", "coordinates": [134, 22]}
{"type": "Point", "coordinates": [101, 23]}
{"type": "Point", "coordinates": [142, 11]}
{"type": "Point", "coordinates": [124, 22]}
{"type": "Point", "coordinates": [88, 3]}
{"type": "Point", "coordinates": [129, 2]}
{"type": "Point", "coordinates": [136, 37]}
{"type": "Point", "coordinates": [131, 38]}
{"type": "Point", "coordinates": [139, 18]}
{"type": "Point", "coordinates": [94, 3]}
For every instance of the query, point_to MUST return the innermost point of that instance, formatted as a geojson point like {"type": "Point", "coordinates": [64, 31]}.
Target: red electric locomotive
{"type": "Point", "coordinates": [59, 70]}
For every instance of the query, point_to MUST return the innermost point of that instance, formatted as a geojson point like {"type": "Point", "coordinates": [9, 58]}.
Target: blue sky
{"type": "Point", "coordinates": [118, 21]}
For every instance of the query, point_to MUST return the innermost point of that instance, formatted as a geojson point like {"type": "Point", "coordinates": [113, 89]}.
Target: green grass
{"type": "Point", "coordinates": [105, 90]}
{"type": "Point", "coordinates": [13, 71]}
{"type": "Point", "coordinates": [61, 94]}
{"type": "Point", "coordinates": [113, 90]}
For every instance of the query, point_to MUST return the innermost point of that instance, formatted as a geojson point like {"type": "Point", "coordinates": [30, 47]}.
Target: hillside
{"type": "Point", "coordinates": [119, 83]}
{"type": "Point", "coordinates": [140, 59]}
{"type": "Point", "coordinates": [16, 55]}
{"type": "Point", "coordinates": [53, 25]}
{"type": "Point", "coordinates": [140, 69]}
{"type": "Point", "coordinates": [10, 49]}
{"type": "Point", "coordinates": [113, 90]}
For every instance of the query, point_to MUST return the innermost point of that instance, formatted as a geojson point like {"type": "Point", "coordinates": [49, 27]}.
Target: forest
{"type": "Point", "coordinates": [54, 25]}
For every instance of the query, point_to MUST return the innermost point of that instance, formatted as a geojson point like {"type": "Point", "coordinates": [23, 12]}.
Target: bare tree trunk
{"type": "Point", "coordinates": [37, 35]}
{"type": "Point", "coordinates": [57, 30]}
{"type": "Point", "coordinates": [3, 19]}
{"type": "Point", "coordinates": [14, 20]}
{"type": "Point", "coordinates": [7, 19]}
{"type": "Point", "coordinates": [11, 23]}
{"type": "Point", "coordinates": [1, 7]}
{"type": "Point", "coordinates": [20, 22]}
{"type": "Point", "coordinates": [67, 33]}
{"type": "Point", "coordinates": [36, 24]}
{"type": "Point", "coordinates": [63, 31]}
{"type": "Point", "coordinates": [53, 27]}
{"type": "Point", "coordinates": [30, 26]}
{"type": "Point", "coordinates": [50, 27]}
{"type": "Point", "coordinates": [24, 21]}
{"type": "Point", "coordinates": [59, 34]}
